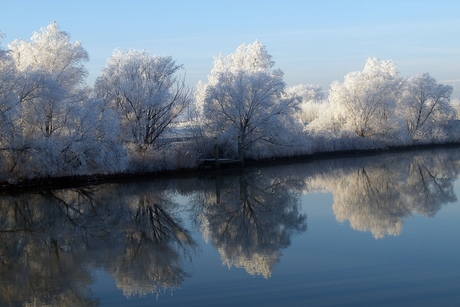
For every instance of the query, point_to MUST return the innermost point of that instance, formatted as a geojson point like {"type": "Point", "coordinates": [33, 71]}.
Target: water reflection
{"type": "Point", "coordinates": [41, 239]}
{"type": "Point", "coordinates": [251, 218]}
{"type": "Point", "coordinates": [51, 242]}
{"type": "Point", "coordinates": [155, 242]}
{"type": "Point", "coordinates": [377, 193]}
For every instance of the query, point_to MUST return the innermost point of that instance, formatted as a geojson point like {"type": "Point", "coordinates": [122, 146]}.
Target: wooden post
{"type": "Point", "coordinates": [240, 150]}
{"type": "Point", "coordinates": [216, 157]}
{"type": "Point", "coordinates": [216, 153]}
{"type": "Point", "coordinates": [217, 188]}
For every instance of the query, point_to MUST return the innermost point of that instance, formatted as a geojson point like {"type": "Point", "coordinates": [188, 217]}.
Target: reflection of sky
{"type": "Point", "coordinates": [456, 188]}
{"type": "Point", "coordinates": [317, 204]}
{"type": "Point", "coordinates": [330, 264]}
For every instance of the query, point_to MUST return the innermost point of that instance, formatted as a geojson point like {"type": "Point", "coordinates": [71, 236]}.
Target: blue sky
{"type": "Point", "coordinates": [313, 42]}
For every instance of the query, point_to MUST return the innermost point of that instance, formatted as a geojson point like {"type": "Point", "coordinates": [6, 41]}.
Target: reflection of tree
{"type": "Point", "coordinates": [151, 260]}
{"type": "Point", "coordinates": [253, 221]}
{"type": "Point", "coordinates": [376, 194]}
{"type": "Point", "coordinates": [51, 241]}
{"type": "Point", "coordinates": [36, 258]}
{"type": "Point", "coordinates": [369, 199]}
{"type": "Point", "coordinates": [430, 184]}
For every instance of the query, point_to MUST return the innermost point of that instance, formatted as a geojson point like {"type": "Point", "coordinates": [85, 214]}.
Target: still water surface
{"type": "Point", "coordinates": [374, 231]}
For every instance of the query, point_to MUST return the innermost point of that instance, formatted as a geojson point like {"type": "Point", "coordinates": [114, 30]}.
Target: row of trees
{"type": "Point", "coordinates": [54, 124]}
{"type": "Point", "coordinates": [377, 102]}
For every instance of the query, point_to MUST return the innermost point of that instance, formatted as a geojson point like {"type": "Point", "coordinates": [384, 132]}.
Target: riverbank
{"type": "Point", "coordinates": [48, 183]}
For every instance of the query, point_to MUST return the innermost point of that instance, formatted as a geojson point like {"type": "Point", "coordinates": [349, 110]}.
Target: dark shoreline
{"type": "Point", "coordinates": [38, 184]}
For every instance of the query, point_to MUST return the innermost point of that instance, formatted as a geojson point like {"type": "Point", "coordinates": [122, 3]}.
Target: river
{"type": "Point", "coordinates": [381, 230]}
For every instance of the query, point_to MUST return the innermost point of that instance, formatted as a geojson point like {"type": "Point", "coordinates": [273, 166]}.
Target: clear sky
{"type": "Point", "coordinates": [313, 42]}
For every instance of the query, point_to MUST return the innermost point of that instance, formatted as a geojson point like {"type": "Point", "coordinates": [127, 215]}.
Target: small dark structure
{"type": "Point", "coordinates": [217, 161]}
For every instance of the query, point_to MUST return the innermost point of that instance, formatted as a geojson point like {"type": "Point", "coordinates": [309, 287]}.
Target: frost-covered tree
{"type": "Point", "coordinates": [246, 97]}
{"type": "Point", "coordinates": [309, 92]}
{"type": "Point", "coordinates": [8, 78]}
{"type": "Point", "coordinates": [8, 105]}
{"type": "Point", "coordinates": [146, 91]}
{"type": "Point", "coordinates": [425, 104]}
{"type": "Point", "coordinates": [57, 129]}
{"type": "Point", "coordinates": [366, 99]}
{"type": "Point", "coordinates": [53, 74]}
{"type": "Point", "coordinates": [312, 101]}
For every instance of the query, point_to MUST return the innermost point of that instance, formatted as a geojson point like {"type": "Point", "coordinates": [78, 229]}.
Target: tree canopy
{"type": "Point", "coordinates": [145, 91]}
{"type": "Point", "coordinates": [425, 104]}
{"type": "Point", "coordinates": [246, 97]}
{"type": "Point", "coordinates": [365, 99]}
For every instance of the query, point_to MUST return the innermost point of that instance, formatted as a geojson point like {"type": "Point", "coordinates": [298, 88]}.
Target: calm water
{"type": "Point", "coordinates": [374, 231]}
